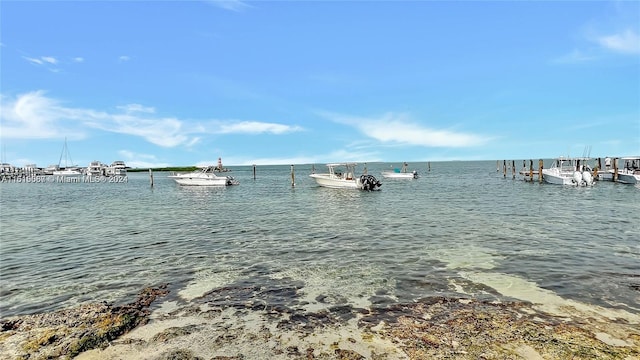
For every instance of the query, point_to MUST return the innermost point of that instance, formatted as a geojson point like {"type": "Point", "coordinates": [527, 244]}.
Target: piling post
{"type": "Point", "coordinates": [504, 168]}
{"type": "Point", "coordinates": [151, 176]}
{"type": "Point", "coordinates": [513, 168]}
{"type": "Point", "coordinates": [293, 177]}
{"type": "Point", "coordinates": [540, 166]}
{"type": "Point", "coordinates": [530, 170]}
{"type": "Point", "coordinates": [615, 169]}
{"type": "Point", "coordinates": [429, 165]}
{"type": "Point", "coordinates": [497, 165]}
{"type": "Point", "coordinates": [254, 171]}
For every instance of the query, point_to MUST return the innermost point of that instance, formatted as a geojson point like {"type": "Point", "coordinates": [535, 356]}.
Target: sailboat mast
{"type": "Point", "coordinates": [65, 153]}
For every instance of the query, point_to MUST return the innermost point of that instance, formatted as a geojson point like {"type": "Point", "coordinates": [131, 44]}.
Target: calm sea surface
{"type": "Point", "coordinates": [461, 229]}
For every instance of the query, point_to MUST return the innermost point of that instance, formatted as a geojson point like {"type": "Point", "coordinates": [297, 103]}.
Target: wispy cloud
{"type": "Point", "coordinates": [78, 59]}
{"type": "Point", "coordinates": [132, 108]}
{"type": "Point", "coordinates": [627, 42]}
{"type": "Point", "coordinates": [42, 60]}
{"type": "Point", "coordinates": [400, 129]}
{"type": "Point", "coordinates": [34, 115]}
{"type": "Point", "coordinates": [137, 160]}
{"type": "Point", "coordinates": [254, 127]}
{"type": "Point", "coordinates": [232, 5]}
{"type": "Point", "coordinates": [576, 56]}
{"type": "Point", "coordinates": [123, 58]}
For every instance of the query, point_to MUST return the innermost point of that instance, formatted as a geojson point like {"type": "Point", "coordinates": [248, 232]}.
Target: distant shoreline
{"type": "Point", "coordinates": [176, 168]}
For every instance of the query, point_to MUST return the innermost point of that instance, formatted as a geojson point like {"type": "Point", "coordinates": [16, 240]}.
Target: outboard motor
{"type": "Point", "coordinates": [577, 178]}
{"type": "Point", "coordinates": [369, 182]}
{"type": "Point", "coordinates": [587, 178]}
{"type": "Point", "coordinates": [231, 181]}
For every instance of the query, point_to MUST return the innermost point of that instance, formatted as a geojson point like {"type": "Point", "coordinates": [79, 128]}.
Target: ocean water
{"type": "Point", "coordinates": [461, 229]}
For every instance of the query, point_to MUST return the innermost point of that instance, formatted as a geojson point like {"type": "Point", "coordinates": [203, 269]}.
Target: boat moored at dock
{"type": "Point", "coordinates": [569, 171]}
{"type": "Point", "coordinates": [629, 173]}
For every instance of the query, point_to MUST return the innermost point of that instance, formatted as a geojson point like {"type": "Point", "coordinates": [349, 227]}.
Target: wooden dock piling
{"type": "Point", "coordinates": [254, 171]}
{"type": "Point", "coordinates": [540, 166]}
{"type": "Point", "coordinates": [293, 177]}
{"type": "Point", "coordinates": [151, 176]}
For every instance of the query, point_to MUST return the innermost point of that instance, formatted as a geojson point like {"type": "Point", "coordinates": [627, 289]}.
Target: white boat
{"type": "Point", "coordinates": [342, 176]}
{"type": "Point", "coordinates": [629, 173]}
{"type": "Point", "coordinates": [49, 170]}
{"type": "Point", "coordinates": [67, 171]}
{"type": "Point", "coordinates": [402, 173]}
{"type": "Point", "coordinates": [604, 173]}
{"type": "Point", "coordinates": [95, 169]}
{"type": "Point", "coordinates": [204, 177]}
{"type": "Point", "coordinates": [117, 168]}
{"type": "Point", "coordinates": [569, 171]}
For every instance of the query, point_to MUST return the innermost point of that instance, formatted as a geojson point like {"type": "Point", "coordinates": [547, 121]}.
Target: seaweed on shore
{"type": "Point", "coordinates": [470, 329]}
{"type": "Point", "coordinates": [69, 332]}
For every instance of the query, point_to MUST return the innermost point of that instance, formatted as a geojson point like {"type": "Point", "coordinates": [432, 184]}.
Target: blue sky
{"type": "Point", "coordinates": [158, 83]}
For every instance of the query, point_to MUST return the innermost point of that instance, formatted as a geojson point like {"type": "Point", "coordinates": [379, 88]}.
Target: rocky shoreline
{"type": "Point", "coordinates": [214, 326]}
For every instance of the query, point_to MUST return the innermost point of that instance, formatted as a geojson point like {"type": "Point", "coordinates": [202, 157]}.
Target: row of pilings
{"type": "Point", "coordinates": [530, 173]}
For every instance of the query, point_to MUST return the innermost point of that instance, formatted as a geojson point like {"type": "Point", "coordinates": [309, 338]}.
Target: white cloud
{"type": "Point", "coordinates": [49, 59]}
{"type": "Point", "coordinates": [34, 115]}
{"type": "Point", "coordinates": [33, 60]}
{"type": "Point", "coordinates": [165, 132]}
{"type": "Point", "coordinates": [399, 129]}
{"type": "Point", "coordinates": [255, 127]}
{"type": "Point", "coordinates": [124, 58]}
{"type": "Point", "coordinates": [78, 59]}
{"type": "Point", "coordinates": [137, 160]}
{"type": "Point", "coordinates": [131, 108]}
{"type": "Point", "coordinates": [233, 5]}
{"type": "Point", "coordinates": [42, 60]}
{"type": "Point", "coordinates": [624, 42]}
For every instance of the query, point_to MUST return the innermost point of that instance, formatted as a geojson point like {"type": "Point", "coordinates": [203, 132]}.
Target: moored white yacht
{"type": "Point", "coordinates": [117, 168]}
{"type": "Point", "coordinates": [342, 176]}
{"type": "Point", "coordinates": [629, 173]}
{"type": "Point", "coordinates": [204, 177]}
{"type": "Point", "coordinates": [569, 171]}
{"type": "Point", "coordinates": [95, 169]}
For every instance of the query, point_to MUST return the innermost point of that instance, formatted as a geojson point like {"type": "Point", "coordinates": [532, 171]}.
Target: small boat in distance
{"type": "Point", "coordinates": [569, 171]}
{"type": "Point", "coordinates": [402, 173]}
{"type": "Point", "coordinates": [204, 177]}
{"type": "Point", "coordinates": [342, 176]}
{"type": "Point", "coordinates": [629, 173]}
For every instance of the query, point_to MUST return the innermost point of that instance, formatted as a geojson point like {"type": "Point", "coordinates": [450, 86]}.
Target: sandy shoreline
{"type": "Point", "coordinates": [245, 323]}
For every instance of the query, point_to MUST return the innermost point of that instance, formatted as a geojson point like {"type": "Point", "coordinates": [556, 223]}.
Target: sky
{"type": "Point", "coordinates": [180, 83]}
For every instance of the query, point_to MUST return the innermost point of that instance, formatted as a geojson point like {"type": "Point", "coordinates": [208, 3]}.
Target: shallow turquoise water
{"type": "Point", "coordinates": [64, 244]}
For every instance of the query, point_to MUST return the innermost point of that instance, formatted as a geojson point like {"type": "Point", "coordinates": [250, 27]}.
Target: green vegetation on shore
{"type": "Point", "coordinates": [174, 168]}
